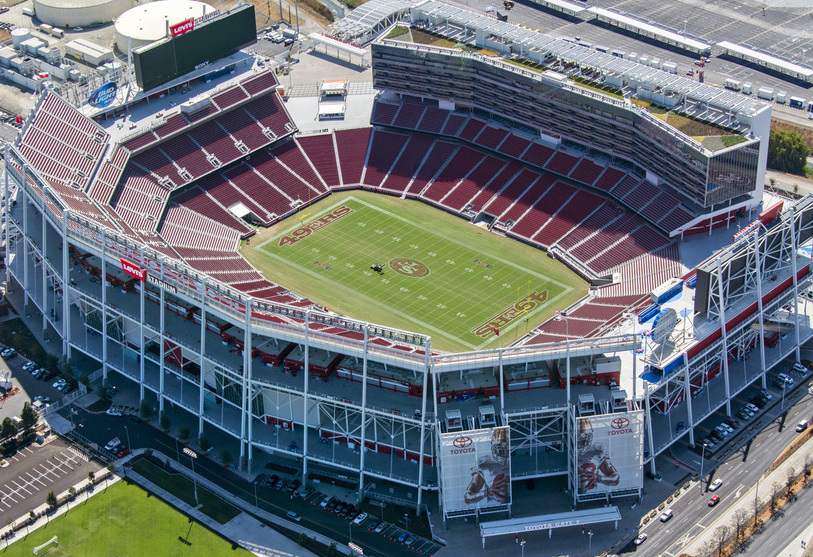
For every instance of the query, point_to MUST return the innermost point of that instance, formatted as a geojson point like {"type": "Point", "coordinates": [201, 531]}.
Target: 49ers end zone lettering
{"type": "Point", "coordinates": [310, 228]}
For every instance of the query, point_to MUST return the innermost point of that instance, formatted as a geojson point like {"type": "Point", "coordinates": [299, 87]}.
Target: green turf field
{"type": "Point", "coordinates": [441, 276]}
{"type": "Point", "coordinates": [123, 520]}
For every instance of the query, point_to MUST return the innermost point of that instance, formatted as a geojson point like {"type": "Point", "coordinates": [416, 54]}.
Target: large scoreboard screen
{"type": "Point", "coordinates": [163, 61]}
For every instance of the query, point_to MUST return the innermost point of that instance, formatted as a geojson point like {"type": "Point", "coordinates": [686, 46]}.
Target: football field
{"type": "Point", "coordinates": [404, 264]}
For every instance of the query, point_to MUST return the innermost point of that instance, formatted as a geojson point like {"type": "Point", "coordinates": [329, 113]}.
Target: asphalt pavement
{"type": "Point", "coordinates": [100, 428]}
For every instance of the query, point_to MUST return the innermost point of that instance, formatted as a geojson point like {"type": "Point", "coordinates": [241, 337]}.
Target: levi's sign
{"type": "Point", "coordinates": [132, 269]}
{"type": "Point", "coordinates": [183, 27]}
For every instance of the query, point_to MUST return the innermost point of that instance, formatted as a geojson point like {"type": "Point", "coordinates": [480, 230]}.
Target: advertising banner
{"type": "Point", "coordinates": [476, 468]}
{"type": "Point", "coordinates": [132, 269]}
{"type": "Point", "coordinates": [610, 450]}
{"type": "Point", "coordinates": [103, 96]}
{"type": "Point", "coordinates": [182, 27]}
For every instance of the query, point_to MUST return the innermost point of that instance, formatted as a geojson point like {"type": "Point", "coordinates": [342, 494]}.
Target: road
{"type": "Point", "coordinates": [100, 428]}
{"type": "Point", "coordinates": [783, 529]}
{"type": "Point", "coordinates": [740, 470]}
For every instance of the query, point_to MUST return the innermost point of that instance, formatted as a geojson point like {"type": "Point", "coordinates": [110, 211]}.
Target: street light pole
{"type": "Point", "coordinates": [406, 518]}
{"type": "Point", "coordinates": [784, 385]}
{"type": "Point", "coordinates": [192, 456]}
{"type": "Point", "coordinates": [590, 542]}
{"type": "Point", "coordinates": [256, 500]}
{"type": "Point", "coordinates": [522, 547]}
{"type": "Point", "coordinates": [129, 445]}
{"type": "Point", "coordinates": [702, 462]}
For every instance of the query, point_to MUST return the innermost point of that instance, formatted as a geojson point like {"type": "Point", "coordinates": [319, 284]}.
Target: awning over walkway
{"type": "Point", "coordinates": [548, 522]}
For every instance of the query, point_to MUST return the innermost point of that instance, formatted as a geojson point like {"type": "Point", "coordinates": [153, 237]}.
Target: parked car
{"type": "Point", "coordinates": [29, 366]}
{"type": "Point", "coordinates": [715, 485]}
{"type": "Point", "coordinates": [714, 500]}
{"type": "Point", "coordinates": [122, 453]}
{"type": "Point", "coordinates": [765, 394]}
{"type": "Point", "coordinates": [402, 538]}
{"type": "Point", "coordinates": [113, 412]}
{"type": "Point", "coordinates": [380, 527]}
{"type": "Point", "coordinates": [113, 444]}
{"type": "Point", "coordinates": [800, 368]}
{"type": "Point", "coordinates": [293, 516]}
{"type": "Point", "coordinates": [360, 518]}
{"type": "Point", "coordinates": [410, 540]}
{"type": "Point", "coordinates": [8, 353]}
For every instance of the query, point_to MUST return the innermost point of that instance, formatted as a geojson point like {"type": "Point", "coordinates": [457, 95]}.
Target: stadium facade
{"type": "Point", "coordinates": [112, 242]}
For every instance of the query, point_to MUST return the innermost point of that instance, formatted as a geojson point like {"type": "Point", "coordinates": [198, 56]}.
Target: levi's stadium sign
{"type": "Point", "coordinates": [103, 95]}
{"type": "Point", "coordinates": [132, 269]}
{"type": "Point", "coordinates": [183, 27]}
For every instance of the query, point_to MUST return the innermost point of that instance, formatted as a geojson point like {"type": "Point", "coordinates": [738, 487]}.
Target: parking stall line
{"type": "Point", "coordinates": [36, 479]}
{"type": "Point", "coordinates": [10, 493]}
{"type": "Point", "coordinates": [19, 487]}
{"type": "Point", "coordinates": [47, 471]}
{"type": "Point", "coordinates": [27, 483]}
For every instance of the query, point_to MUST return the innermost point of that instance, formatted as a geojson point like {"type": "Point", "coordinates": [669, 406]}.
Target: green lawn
{"type": "Point", "coordinates": [124, 520]}
{"type": "Point", "coordinates": [442, 276]}
{"type": "Point", "coordinates": [182, 488]}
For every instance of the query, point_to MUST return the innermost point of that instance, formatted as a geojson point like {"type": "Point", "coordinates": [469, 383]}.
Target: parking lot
{"type": "Point", "coordinates": [35, 470]}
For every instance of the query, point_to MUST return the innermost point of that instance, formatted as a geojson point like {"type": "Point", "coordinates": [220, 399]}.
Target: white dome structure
{"type": "Point", "coordinates": [149, 23]}
{"type": "Point", "coordinates": [75, 13]}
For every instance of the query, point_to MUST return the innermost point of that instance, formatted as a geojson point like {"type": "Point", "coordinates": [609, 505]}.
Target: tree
{"type": "Point", "coordinates": [740, 519]}
{"type": "Point", "coordinates": [184, 433]}
{"type": "Point", "coordinates": [204, 443]}
{"type": "Point", "coordinates": [225, 458]}
{"type": "Point", "coordinates": [164, 421]}
{"type": "Point", "coordinates": [789, 481]}
{"type": "Point", "coordinates": [720, 537]}
{"type": "Point", "coordinates": [787, 152]}
{"type": "Point", "coordinates": [775, 491]}
{"type": "Point", "coordinates": [51, 363]}
{"type": "Point", "coordinates": [29, 417]}
{"type": "Point", "coordinates": [8, 429]}
{"type": "Point", "coordinates": [50, 499]}
{"type": "Point", "coordinates": [91, 476]}
{"type": "Point", "coordinates": [145, 410]}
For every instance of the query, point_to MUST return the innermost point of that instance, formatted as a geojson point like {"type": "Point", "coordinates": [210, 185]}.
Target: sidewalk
{"type": "Point", "coordinates": [747, 501]}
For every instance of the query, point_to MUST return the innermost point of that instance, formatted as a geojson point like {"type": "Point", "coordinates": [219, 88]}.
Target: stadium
{"type": "Point", "coordinates": [502, 272]}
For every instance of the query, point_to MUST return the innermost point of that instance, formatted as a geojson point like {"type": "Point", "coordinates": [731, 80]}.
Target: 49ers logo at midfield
{"type": "Point", "coordinates": [409, 267]}
{"type": "Point", "coordinates": [462, 445]}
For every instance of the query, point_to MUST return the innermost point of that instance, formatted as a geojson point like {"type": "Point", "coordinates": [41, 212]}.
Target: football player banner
{"type": "Point", "coordinates": [609, 453]}
{"type": "Point", "coordinates": [476, 469]}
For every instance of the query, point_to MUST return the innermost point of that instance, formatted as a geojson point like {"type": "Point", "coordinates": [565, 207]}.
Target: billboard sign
{"type": "Point", "coordinates": [132, 269]}
{"type": "Point", "coordinates": [610, 451]}
{"type": "Point", "coordinates": [476, 467]}
{"type": "Point", "coordinates": [103, 96]}
{"type": "Point", "coordinates": [182, 27]}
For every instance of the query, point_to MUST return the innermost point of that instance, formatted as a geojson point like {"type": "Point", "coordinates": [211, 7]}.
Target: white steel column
{"type": "Point", "coordinates": [688, 388]}
{"type": "Point", "coordinates": [103, 283]}
{"type": "Point", "coordinates": [649, 432]}
{"type": "Point", "coordinates": [363, 448]}
{"type": "Point", "coordinates": [26, 239]}
{"type": "Point", "coordinates": [7, 213]}
{"type": "Point", "coordinates": [760, 309]}
{"type": "Point", "coordinates": [245, 414]}
{"type": "Point", "coordinates": [44, 264]}
{"type": "Point", "coordinates": [161, 332]}
{"type": "Point", "coordinates": [724, 362]}
{"type": "Point", "coordinates": [794, 267]}
{"type": "Point", "coordinates": [427, 367]}
{"type": "Point", "coordinates": [202, 385]}
{"type": "Point", "coordinates": [305, 399]}
{"type": "Point", "coordinates": [66, 270]}
{"type": "Point", "coordinates": [141, 319]}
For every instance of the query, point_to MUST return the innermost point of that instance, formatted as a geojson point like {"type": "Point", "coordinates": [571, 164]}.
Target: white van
{"type": "Point", "coordinates": [801, 426]}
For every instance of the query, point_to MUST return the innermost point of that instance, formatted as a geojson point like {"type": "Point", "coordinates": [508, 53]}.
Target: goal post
{"type": "Point", "coordinates": [54, 541]}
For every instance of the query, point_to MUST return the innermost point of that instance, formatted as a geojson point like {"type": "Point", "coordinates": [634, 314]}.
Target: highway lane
{"type": "Point", "coordinates": [100, 428]}
{"type": "Point", "coordinates": [740, 471]}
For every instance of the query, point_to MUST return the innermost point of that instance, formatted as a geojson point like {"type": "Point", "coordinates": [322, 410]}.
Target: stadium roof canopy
{"type": "Point", "coordinates": [650, 30]}
{"type": "Point", "coordinates": [769, 60]}
{"type": "Point", "coordinates": [462, 23]}
{"type": "Point", "coordinates": [362, 24]}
